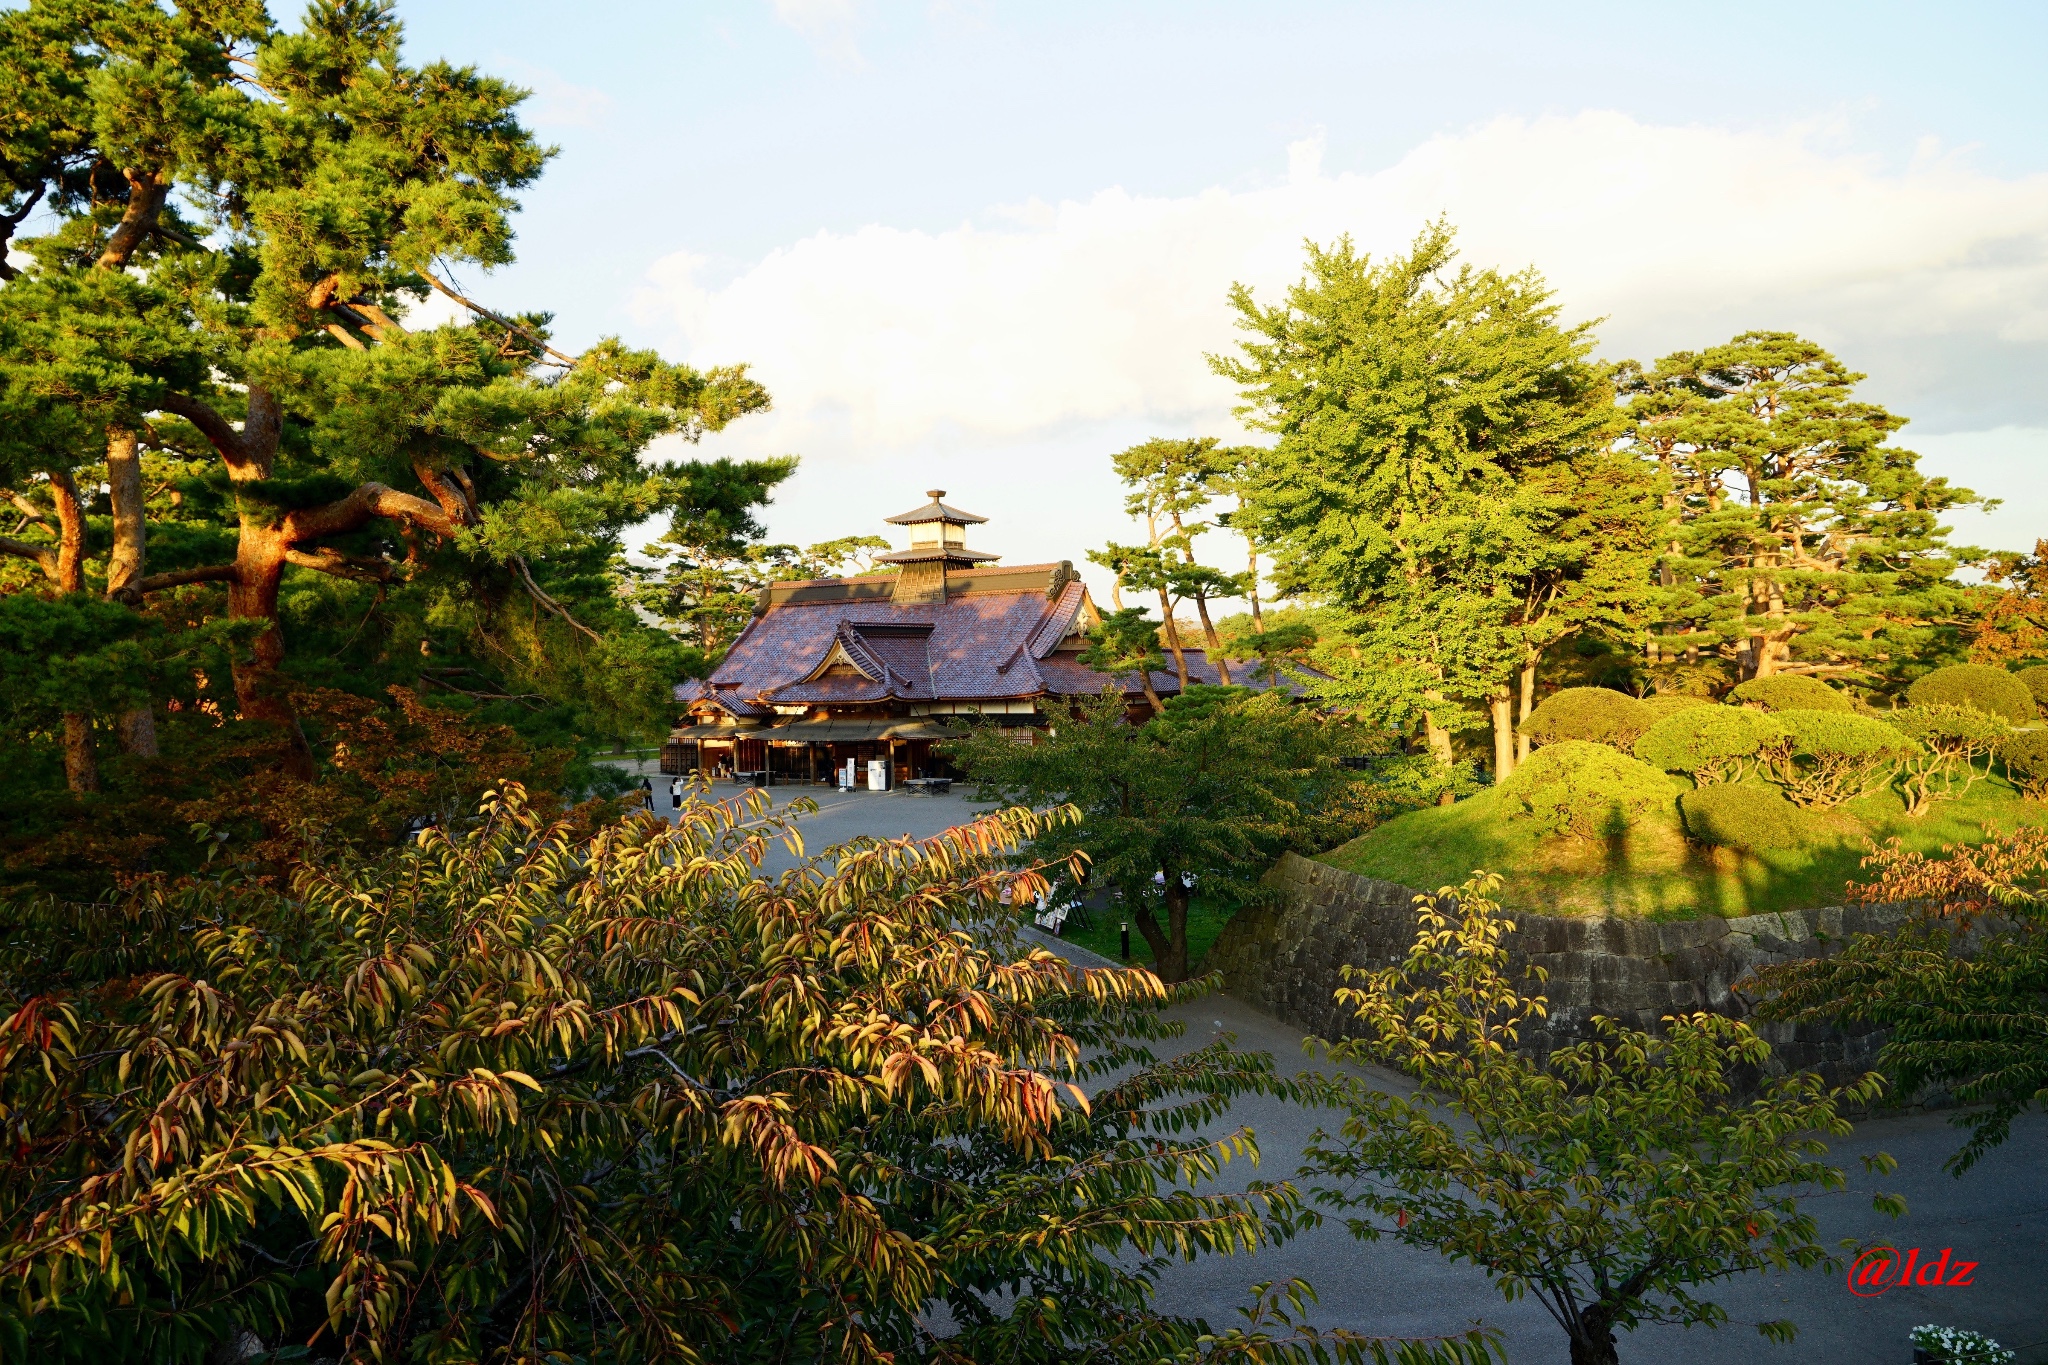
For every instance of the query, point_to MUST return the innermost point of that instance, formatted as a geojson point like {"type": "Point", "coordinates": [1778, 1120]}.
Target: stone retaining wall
{"type": "Point", "coordinates": [1284, 959]}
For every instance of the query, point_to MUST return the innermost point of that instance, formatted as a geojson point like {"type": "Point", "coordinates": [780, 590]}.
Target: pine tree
{"type": "Point", "coordinates": [262, 342]}
{"type": "Point", "coordinates": [1804, 542]}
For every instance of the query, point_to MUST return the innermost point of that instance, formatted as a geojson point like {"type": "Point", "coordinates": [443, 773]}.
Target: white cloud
{"type": "Point", "coordinates": [827, 25]}
{"type": "Point", "coordinates": [1056, 332]}
{"type": "Point", "coordinates": [555, 102]}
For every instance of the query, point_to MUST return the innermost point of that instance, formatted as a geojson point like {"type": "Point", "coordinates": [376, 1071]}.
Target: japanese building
{"type": "Point", "coordinates": [888, 665]}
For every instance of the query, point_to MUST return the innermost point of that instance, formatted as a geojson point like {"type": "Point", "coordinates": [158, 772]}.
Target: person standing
{"type": "Point", "coordinates": [675, 793]}
{"type": "Point", "coordinates": [646, 794]}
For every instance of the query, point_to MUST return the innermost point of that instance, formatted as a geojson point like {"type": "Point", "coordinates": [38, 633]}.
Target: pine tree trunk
{"type": "Point", "coordinates": [260, 689]}
{"type": "Point", "coordinates": [1258, 621]}
{"type": "Point", "coordinates": [1501, 708]}
{"type": "Point", "coordinates": [1209, 637]}
{"type": "Point", "coordinates": [1180, 662]}
{"type": "Point", "coordinates": [126, 561]}
{"type": "Point", "coordinates": [81, 767]}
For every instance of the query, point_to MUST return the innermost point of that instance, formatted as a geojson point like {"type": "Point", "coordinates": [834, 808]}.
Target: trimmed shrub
{"type": "Point", "coordinates": [1791, 692]}
{"type": "Point", "coordinates": [1585, 790]}
{"type": "Point", "coordinates": [1751, 816]}
{"type": "Point", "coordinates": [1671, 703]}
{"type": "Point", "coordinates": [1952, 739]}
{"type": "Point", "coordinates": [1990, 690]}
{"type": "Point", "coordinates": [1836, 756]}
{"type": "Point", "coordinates": [1598, 715]}
{"type": "Point", "coordinates": [2025, 755]}
{"type": "Point", "coordinates": [2036, 679]}
{"type": "Point", "coordinates": [1710, 743]}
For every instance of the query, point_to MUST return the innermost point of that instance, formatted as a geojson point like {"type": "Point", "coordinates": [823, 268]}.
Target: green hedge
{"type": "Point", "coordinates": [1598, 715]}
{"type": "Point", "coordinates": [1751, 816]}
{"type": "Point", "coordinates": [1585, 790]}
{"type": "Point", "coordinates": [1671, 703]}
{"type": "Point", "coordinates": [2025, 754]}
{"type": "Point", "coordinates": [1791, 692]}
{"type": "Point", "coordinates": [1836, 756]}
{"type": "Point", "coordinates": [2036, 679]}
{"type": "Point", "coordinates": [1710, 743]}
{"type": "Point", "coordinates": [1990, 690]}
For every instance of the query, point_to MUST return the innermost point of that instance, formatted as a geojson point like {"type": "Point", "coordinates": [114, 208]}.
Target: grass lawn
{"type": "Point", "coordinates": [1206, 919]}
{"type": "Point", "coordinates": [1652, 870]}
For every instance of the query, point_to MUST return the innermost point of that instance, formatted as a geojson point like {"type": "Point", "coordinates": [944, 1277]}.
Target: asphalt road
{"type": "Point", "coordinates": [1997, 1214]}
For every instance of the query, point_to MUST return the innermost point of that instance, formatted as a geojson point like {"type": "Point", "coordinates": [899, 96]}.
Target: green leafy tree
{"type": "Point", "coordinates": [1802, 540]}
{"type": "Point", "coordinates": [1609, 1181]}
{"type": "Point", "coordinates": [1206, 795]}
{"type": "Point", "coordinates": [1961, 988]}
{"type": "Point", "coordinates": [1440, 479]}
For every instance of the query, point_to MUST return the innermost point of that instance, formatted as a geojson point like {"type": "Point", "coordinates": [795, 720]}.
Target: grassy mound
{"type": "Point", "coordinates": [1649, 868]}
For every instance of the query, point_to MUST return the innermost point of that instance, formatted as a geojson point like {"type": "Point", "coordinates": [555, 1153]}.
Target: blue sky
{"type": "Point", "coordinates": [984, 245]}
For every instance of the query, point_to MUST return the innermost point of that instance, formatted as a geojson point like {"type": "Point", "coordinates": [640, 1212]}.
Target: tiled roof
{"type": "Point", "coordinates": [994, 638]}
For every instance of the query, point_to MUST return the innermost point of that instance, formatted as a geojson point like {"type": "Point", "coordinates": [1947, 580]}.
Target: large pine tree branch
{"type": "Point", "coordinates": [45, 556]}
{"type": "Point", "coordinates": [231, 444]}
{"type": "Point", "coordinates": [146, 194]}
{"type": "Point", "coordinates": [362, 505]}
{"type": "Point", "coordinates": [178, 578]}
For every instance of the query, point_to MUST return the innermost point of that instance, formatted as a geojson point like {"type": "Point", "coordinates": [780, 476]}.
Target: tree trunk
{"type": "Point", "coordinates": [1501, 707]}
{"type": "Point", "coordinates": [1595, 1350]}
{"type": "Point", "coordinates": [1528, 704]}
{"type": "Point", "coordinates": [1151, 694]}
{"type": "Point", "coordinates": [81, 768]}
{"type": "Point", "coordinates": [126, 562]}
{"type": "Point", "coordinates": [1180, 662]}
{"type": "Point", "coordinates": [1258, 621]}
{"type": "Point", "coordinates": [1439, 741]}
{"type": "Point", "coordinates": [252, 596]}
{"type": "Point", "coordinates": [1209, 637]}
{"type": "Point", "coordinates": [1170, 946]}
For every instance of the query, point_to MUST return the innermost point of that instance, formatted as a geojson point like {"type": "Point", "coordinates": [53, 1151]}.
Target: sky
{"type": "Point", "coordinates": [983, 246]}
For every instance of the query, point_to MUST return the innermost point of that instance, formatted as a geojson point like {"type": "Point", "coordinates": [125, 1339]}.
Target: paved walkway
{"type": "Point", "coordinates": [1996, 1215]}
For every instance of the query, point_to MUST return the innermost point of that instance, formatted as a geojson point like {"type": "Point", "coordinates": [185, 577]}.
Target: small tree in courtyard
{"type": "Point", "coordinates": [1206, 794]}
{"type": "Point", "coordinates": [1609, 1181]}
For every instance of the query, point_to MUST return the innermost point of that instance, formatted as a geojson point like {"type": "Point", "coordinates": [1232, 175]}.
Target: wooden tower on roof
{"type": "Point", "coordinates": [938, 542]}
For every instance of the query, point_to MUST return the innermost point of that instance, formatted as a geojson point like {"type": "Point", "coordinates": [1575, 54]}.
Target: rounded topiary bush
{"type": "Point", "coordinates": [1585, 790]}
{"type": "Point", "coordinates": [1751, 816]}
{"type": "Point", "coordinates": [2025, 755]}
{"type": "Point", "coordinates": [1836, 756]}
{"type": "Point", "coordinates": [1670, 704]}
{"type": "Point", "coordinates": [1990, 690]}
{"type": "Point", "coordinates": [1598, 715]}
{"type": "Point", "coordinates": [1791, 692]}
{"type": "Point", "coordinates": [1710, 743]}
{"type": "Point", "coordinates": [2036, 679]}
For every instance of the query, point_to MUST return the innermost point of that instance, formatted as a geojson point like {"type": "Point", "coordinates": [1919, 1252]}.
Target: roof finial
{"type": "Point", "coordinates": [935, 493]}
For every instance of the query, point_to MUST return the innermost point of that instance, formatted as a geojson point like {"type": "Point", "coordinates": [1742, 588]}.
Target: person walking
{"type": "Point", "coordinates": [646, 794]}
